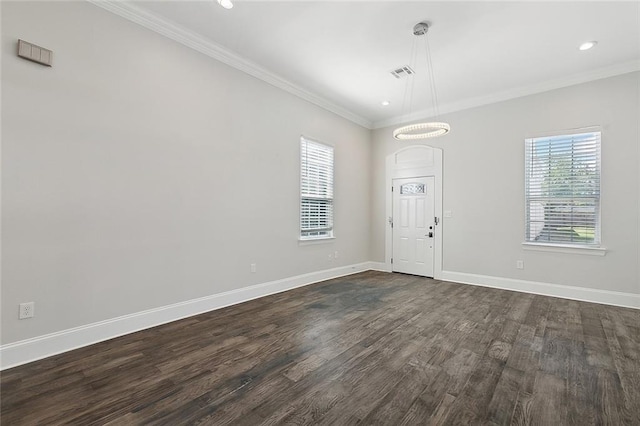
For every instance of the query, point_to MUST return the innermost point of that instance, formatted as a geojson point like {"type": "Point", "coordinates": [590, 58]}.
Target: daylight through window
{"type": "Point", "coordinates": [316, 190]}
{"type": "Point", "coordinates": [562, 189]}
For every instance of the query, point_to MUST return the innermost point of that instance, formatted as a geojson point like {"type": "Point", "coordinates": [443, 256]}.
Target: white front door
{"type": "Point", "coordinates": [414, 225]}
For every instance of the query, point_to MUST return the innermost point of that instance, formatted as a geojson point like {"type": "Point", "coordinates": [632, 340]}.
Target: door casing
{"type": "Point", "coordinates": [410, 162]}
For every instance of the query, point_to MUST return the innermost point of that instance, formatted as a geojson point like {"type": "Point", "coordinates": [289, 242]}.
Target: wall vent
{"type": "Point", "coordinates": [35, 53]}
{"type": "Point", "coordinates": [402, 72]}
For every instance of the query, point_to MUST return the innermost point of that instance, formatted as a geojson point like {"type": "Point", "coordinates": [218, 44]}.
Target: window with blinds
{"type": "Point", "coordinates": [562, 189]}
{"type": "Point", "coordinates": [316, 190]}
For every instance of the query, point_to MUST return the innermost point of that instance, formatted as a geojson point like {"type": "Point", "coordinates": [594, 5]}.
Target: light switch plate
{"type": "Point", "coordinates": [35, 53]}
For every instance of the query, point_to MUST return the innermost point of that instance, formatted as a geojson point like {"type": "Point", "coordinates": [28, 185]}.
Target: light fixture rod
{"type": "Point", "coordinates": [427, 129]}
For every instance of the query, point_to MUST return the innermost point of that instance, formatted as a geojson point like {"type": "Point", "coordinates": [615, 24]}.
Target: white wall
{"type": "Point", "coordinates": [132, 169]}
{"type": "Point", "coordinates": [137, 173]}
{"type": "Point", "coordinates": [484, 185]}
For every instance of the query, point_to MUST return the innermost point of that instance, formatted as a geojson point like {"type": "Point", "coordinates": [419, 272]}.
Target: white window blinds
{"type": "Point", "coordinates": [316, 190]}
{"type": "Point", "coordinates": [562, 189]}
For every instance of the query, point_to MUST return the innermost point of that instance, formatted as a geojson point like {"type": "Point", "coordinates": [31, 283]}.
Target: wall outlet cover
{"type": "Point", "coordinates": [27, 310]}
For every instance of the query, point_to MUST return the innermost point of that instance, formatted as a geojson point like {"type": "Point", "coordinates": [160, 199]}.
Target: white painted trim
{"type": "Point", "coordinates": [615, 298]}
{"type": "Point", "coordinates": [409, 170]}
{"type": "Point", "coordinates": [558, 248]}
{"type": "Point", "coordinates": [638, 194]}
{"type": "Point", "coordinates": [379, 266]}
{"type": "Point", "coordinates": [584, 77]}
{"type": "Point", "coordinates": [313, 241]}
{"type": "Point", "coordinates": [203, 45]}
{"type": "Point", "coordinates": [24, 351]}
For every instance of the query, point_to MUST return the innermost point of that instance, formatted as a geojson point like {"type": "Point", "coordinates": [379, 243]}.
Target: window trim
{"type": "Point", "coordinates": [558, 247]}
{"type": "Point", "coordinates": [569, 249]}
{"type": "Point", "coordinates": [308, 240]}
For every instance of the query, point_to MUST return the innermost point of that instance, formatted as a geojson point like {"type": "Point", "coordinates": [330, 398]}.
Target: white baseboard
{"type": "Point", "coordinates": [379, 266]}
{"type": "Point", "coordinates": [615, 298]}
{"type": "Point", "coordinates": [24, 351]}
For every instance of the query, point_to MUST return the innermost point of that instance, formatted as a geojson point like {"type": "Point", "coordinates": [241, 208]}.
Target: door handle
{"type": "Point", "coordinates": [430, 235]}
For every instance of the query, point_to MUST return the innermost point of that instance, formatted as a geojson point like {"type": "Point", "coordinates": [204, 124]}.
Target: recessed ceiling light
{"type": "Point", "coordinates": [385, 103]}
{"type": "Point", "coordinates": [225, 3]}
{"type": "Point", "coordinates": [588, 45]}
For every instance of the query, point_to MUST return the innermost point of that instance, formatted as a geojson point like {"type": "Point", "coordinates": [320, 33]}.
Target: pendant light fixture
{"type": "Point", "coordinates": [426, 129]}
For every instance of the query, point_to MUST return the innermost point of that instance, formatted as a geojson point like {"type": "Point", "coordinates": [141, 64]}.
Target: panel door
{"type": "Point", "coordinates": [413, 225]}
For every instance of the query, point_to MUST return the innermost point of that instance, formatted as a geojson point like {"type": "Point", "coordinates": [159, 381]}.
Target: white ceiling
{"type": "Point", "coordinates": [340, 53]}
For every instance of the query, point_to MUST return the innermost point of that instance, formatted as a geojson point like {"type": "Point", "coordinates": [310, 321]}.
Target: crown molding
{"type": "Point", "coordinates": [194, 41]}
{"type": "Point", "coordinates": [219, 53]}
{"type": "Point", "coordinates": [584, 77]}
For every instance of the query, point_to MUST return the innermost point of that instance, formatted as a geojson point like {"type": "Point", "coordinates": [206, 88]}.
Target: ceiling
{"type": "Point", "coordinates": [339, 54]}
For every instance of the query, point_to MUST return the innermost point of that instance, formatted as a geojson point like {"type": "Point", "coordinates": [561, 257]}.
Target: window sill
{"type": "Point", "coordinates": [559, 248]}
{"type": "Point", "coordinates": [311, 241]}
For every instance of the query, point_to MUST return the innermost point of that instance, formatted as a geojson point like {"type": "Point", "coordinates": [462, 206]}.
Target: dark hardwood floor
{"type": "Point", "coordinates": [371, 348]}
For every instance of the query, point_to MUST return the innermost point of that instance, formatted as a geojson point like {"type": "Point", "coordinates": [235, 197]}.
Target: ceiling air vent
{"type": "Point", "coordinates": [402, 71]}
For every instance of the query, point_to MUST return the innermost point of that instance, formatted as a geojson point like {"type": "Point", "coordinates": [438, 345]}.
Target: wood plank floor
{"type": "Point", "coordinates": [370, 348]}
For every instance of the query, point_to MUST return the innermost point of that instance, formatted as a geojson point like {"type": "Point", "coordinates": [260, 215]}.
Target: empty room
{"type": "Point", "coordinates": [257, 212]}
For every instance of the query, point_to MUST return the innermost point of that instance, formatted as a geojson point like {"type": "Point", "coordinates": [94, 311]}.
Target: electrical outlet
{"type": "Point", "coordinates": [335, 254]}
{"type": "Point", "coordinates": [27, 310]}
{"type": "Point", "coordinates": [520, 264]}
{"type": "Point", "coordinates": [254, 268]}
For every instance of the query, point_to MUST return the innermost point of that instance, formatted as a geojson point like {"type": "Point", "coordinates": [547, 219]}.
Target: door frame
{"type": "Point", "coordinates": [410, 162]}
